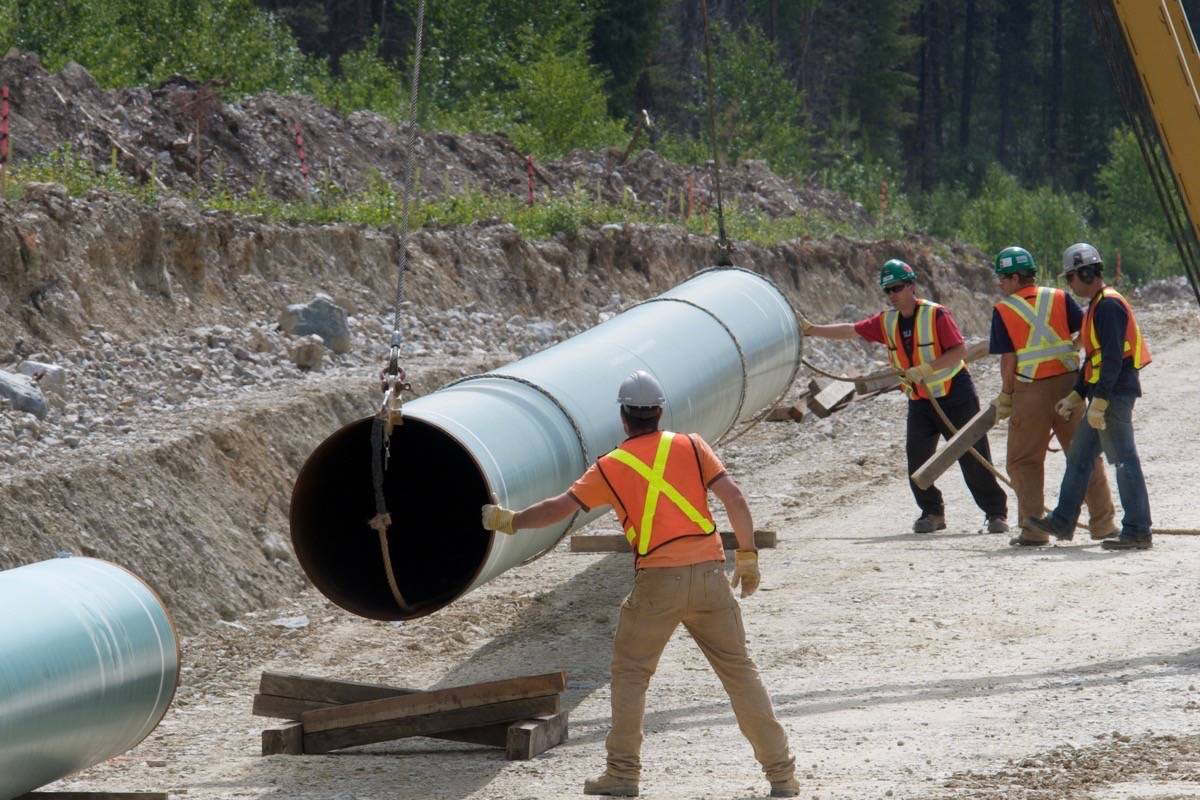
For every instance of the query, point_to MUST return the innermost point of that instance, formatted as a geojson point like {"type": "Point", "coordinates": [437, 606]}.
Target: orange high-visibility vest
{"type": "Point", "coordinates": [926, 348]}
{"type": "Point", "coordinates": [1036, 320]}
{"type": "Point", "coordinates": [657, 480]}
{"type": "Point", "coordinates": [1135, 345]}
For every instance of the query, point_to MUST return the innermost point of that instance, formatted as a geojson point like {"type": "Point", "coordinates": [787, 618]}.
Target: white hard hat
{"type": "Point", "coordinates": [1079, 255]}
{"type": "Point", "coordinates": [641, 390]}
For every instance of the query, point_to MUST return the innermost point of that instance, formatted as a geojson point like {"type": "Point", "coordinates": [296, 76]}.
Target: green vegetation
{"type": "Point", "coordinates": [974, 138]}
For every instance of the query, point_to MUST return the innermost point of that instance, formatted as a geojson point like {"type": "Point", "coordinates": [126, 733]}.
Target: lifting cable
{"type": "Point", "coordinates": [392, 378]}
{"type": "Point", "coordinates": [724, 248]}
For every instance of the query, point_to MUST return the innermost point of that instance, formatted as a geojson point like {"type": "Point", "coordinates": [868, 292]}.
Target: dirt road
{"type": "Point", "coordinates": [902, 665]}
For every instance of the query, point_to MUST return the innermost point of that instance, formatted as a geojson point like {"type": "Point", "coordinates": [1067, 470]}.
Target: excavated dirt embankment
{"type": "Point", "coordinates": [167, 460]}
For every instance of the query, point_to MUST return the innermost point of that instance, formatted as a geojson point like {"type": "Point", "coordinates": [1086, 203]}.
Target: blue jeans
{"type": "Point", "coordinates": [1116, 441]}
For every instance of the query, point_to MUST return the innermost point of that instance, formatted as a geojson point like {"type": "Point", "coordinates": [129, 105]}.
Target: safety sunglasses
{"type": "Point", "coordinates": [895, 287]}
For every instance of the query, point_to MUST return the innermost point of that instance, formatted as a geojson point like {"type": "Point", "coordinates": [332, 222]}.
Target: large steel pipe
{"type": "Point", "coordinates": [724, 345]}
{"type": "Point", "coordinates": [89, 662]}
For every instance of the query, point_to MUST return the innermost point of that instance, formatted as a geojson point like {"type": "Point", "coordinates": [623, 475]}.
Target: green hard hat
{"type": "Point", "coordinates": [895, 271]}
{"type": "Point", "coordinates": [1014, 260]}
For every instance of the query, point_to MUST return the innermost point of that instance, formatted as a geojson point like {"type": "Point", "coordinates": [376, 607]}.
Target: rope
{"type": "Point", "coordinates": [723, 246]}
{"type": "Point", "coordinates": [402, 266]}
{"type": "Point", "coordinates": [393, 376]}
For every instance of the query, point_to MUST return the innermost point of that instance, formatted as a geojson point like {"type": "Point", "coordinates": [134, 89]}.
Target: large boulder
{"type": "Point", "coordinates": [23, 394]}
{"type": "Point", "coordinates": [322, 317]}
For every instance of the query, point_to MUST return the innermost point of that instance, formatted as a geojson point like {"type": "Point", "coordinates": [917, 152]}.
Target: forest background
{"type": "Point", "coordinates": [989, 121]}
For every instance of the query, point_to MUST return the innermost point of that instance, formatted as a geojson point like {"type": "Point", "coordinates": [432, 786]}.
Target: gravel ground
{"type": "Point", "coordinates": [941, 666]}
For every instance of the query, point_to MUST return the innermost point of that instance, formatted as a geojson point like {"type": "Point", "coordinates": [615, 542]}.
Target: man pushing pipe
{"type": "Point", "coordinates": [657, 482]}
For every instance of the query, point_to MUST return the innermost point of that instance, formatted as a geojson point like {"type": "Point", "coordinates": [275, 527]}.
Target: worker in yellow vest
{"type": "Point", "coordinates": [1033, 330]}
{"type": "Point", "coordinates": [1114, 351]}
{"type": "Point", "coordinates": [657, 482]}
{"type": "Point", "coordinates": [927, 350]}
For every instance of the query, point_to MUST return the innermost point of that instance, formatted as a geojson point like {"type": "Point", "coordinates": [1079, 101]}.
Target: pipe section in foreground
{"type": "Point", "coordinates": [724, 345]}
{"type": "Point", "coordinates": [89, 661]}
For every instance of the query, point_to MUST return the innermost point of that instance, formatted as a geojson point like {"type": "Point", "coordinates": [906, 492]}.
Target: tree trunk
{"type": "Point", "coordinates": [968, 79]}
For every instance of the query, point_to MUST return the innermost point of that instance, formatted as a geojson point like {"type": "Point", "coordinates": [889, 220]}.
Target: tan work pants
{"type": "Point", "coordinates": [1033, 419]}
{"type": "Point", "coordinates": [698, 596]}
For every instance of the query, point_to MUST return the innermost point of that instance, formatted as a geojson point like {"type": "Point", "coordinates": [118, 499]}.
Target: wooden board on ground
{"type": "Point", "coordinates": [876, 382]}
{"type": "Point", "coordinates": [832, 395]}
{"type": "Point", "coordinates": [966, 438]}
{"type": "Point", "coordinates": [431, 724]}
{"type": "Point", "coordinates": [325, 690]}
{"type": "Point", "coordinates": [532, 737]}
{"type": "Point", "coordinates": [94, 796]}
{"type": "Point", "coordinates": [617, 543]}
{"type": "Point", "coordinates": [286, 740]}
{"type": "Point", "coordinates": [422, 704]}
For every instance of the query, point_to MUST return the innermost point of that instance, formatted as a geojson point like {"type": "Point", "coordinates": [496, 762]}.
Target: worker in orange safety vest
{"type": "Point", "coordinates": [657, 482]}
{"type": "Point", "coordinates": [1114, 352]}
{"type": "Point", "coordinates": [927, 350]}
{"type": "Point", "coordinates": [1033, 330]}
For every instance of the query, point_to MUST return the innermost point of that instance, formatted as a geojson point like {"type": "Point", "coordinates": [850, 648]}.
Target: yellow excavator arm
{"type": "Point", "coordinates": [1156, 67]}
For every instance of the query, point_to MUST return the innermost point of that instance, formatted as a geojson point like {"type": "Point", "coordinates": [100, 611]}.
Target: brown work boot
{"type": "Point", "coordinates": [611, 785]}
{"type": "Point", "coordinates": [996, 523]}
{"type": "Point", "coordinates": [1106, 535]}
{"type": "Point", "coordinates": [928, 523]}
{"type": "Point", "coordinates": [785, 788]}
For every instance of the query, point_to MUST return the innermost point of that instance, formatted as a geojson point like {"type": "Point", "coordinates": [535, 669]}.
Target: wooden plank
{"type": "Point", "coordinates": [266, 705]}
{"type": "Point", "coordinates": [94, 796]}
{"type": "Point", "coordinates": [879, 381]}
{"type": "Point", "coordinates": [285, 740]}
{"type": "Point", "coordinates": [616, 542]}
{"type": "Point", "coordinates": [431, 702]}
{"type": "Point", "coordinates": [975, 429]}
{"type": "Point", "coordinates": [824, 402]}
{"type": "Point", "coordinates": [532, 737]}
{"type": "Point", "coordinates": [430, 724]}
{"type": "Point", "coordinates": [325, 690]}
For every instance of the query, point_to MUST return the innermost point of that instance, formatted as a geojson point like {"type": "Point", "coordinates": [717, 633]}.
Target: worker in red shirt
{"type": "Point", "coordinates": [927, 350]}
{"type": "Point", "coordinates": [657, 482]}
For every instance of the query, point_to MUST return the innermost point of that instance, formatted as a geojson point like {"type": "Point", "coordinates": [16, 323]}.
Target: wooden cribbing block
{"type": "Point", "coordinates": [975, 429]}
{"type": "Point", "coordinates": [876, 381]}
{"type": "Point", "coordinates": [617, 543]}
{"type": "Point", "coordinates": [532, 737]}
{"type": "Point", "coordinates": [430, 724]}
{"type": "Point", "coordinates": [331, 693]}
{"type": "Point", "coordinates": [834, 394]}
{"type": "Point", "coordinates": [454, 698]}
{"type": "Point", "coordinates": [286, 740]}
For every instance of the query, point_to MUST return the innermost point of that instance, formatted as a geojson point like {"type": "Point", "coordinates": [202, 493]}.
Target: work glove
{"type": "Point", "coordinates": [1003, 404]}
{"type": "Point", "coordinates": [1066, 407]}
{"type": "Point", "coordinates": [919, 373]}
{"type": "Point", "coordinates": [745, 571]}
{"type": "Point", "coordinates": [498, 518]}
{"type": "Point", "coordinates": [1095, 413]}
{"type": "Point", "coordinates": [806, 325]}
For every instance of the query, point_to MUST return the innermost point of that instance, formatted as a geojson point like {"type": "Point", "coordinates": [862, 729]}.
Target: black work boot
{"type": "Point", "coordinates": [1128, 543]}
{"type": "Point", "coordinates": [928, 523]}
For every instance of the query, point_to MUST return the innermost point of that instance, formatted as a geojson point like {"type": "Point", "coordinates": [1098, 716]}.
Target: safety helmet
{"type": "Point", "coordinates": [895, 271]}
{"type": "Point", "coordinates": [1014, 260]}
{"type": "Point", "coordinates": [1079, 255]}
{"type": "Point", "coordinates": [641, 390]}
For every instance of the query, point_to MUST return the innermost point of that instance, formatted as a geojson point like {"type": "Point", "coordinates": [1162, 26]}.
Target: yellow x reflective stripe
{"type": "Point", "coordinates": [658, 486]}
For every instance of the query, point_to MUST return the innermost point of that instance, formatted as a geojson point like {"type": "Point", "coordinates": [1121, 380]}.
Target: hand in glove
{"type": "Point", "coordinates": [920, 373]}
{"type": "Point", "coordinates": [1095, 413]}
{"type": "Point", "coordinates": [745, 571]}
{"type": "Point", "coordinates": [1003, 404]}
{"type": "Point", "coordinates": [498, 518]}
{"type": "Point", "coordinates": [1066, 407]}
{"type": "Point", "coordinates": [806, 325]}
